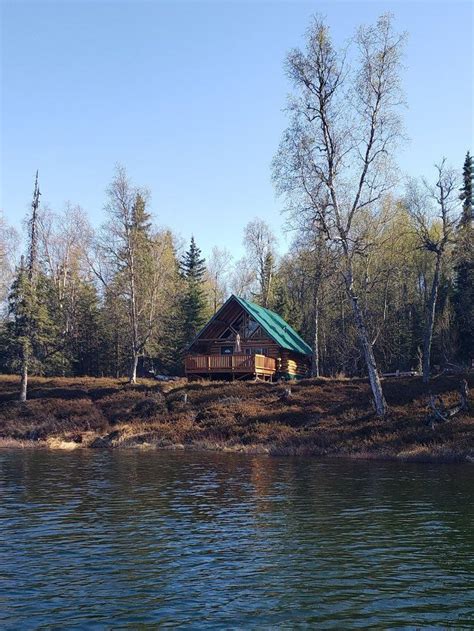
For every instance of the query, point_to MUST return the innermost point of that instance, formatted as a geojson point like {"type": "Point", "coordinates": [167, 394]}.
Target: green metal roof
{"type": "Point", "coordinates": [274, 325]}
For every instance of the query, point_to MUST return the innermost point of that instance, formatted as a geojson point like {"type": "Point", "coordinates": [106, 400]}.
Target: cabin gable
{"type": "Point", "coordinates": [242, 329]}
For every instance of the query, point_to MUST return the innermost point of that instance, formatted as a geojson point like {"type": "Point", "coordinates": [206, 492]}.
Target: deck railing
{"type": "Point", "coordinates": [264, 362]}
{"type": "Point", "coordinates": [229, 363]}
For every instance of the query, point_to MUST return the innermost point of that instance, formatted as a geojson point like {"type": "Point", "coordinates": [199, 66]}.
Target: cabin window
{"type": "Point", "coordinates": [257, 333]}
{"type": "Point", "coordinates": [227, 350]}
{"type": "Point", "coordinates": [256, 351]}
{"type": "Point", "coordinates": [237, 323]}
{"type": "Point", "coordinates": [251, 327]}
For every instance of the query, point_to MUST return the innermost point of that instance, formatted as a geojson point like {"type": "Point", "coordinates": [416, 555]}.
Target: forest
{"type": "Point", "coordinates": [378, 277]}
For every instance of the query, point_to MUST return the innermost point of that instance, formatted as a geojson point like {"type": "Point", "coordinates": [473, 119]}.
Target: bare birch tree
{"type": "Point", "coordinates": [243, 279]}
{"type": "Point", "coordinates": [259, 241]}
{"type": "Point", "coordinates": [64, 242]}
{"type": "Point", "coordinates": [129, 248]}
{"type": "Point", "coordinates": [334, 164]}
{"type": "Point", "coordinates": [217, 272]}
{"type": "Point", "coordinates": [65, 239]}
{"type": "Point", "coordinates": [322, 268]}
{"type": "Point", "coordinates": [432, 208]}
{"type": "Point", "coordinates": [316, 265]}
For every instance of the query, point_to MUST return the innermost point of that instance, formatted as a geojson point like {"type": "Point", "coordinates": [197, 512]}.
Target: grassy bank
{"type": "Point", "coordinates": [322, 417]}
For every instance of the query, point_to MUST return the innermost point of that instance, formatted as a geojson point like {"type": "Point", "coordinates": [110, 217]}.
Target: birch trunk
{"type": "Point", "coordinates": [430, 316]}
{"type": "Point", "coordinates": [24, 377]}
{"type": "Point", "coordinates": [331, 175]}
{"type": "Point", "coordinates": [133, 305]}
{"type": "Point", "coordinates": [364, 339]}
{"type": "Point", "coordinates": [315, 356]}
{"type": "Point", "coordinates": [133, 371]}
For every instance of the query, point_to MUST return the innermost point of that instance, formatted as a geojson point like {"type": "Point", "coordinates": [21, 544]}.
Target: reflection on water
{"type": "Point", "coordinates": [130, 539]}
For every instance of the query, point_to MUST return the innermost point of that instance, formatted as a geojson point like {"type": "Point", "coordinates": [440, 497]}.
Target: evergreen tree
{"type": "Point", "coordinates": [463, 301]}
{"type": "Point", "coordinates": [168, 342]}
{"type": "Point", "coordinates": [24, 295]}
{"type": "Point", "coordinates": [192, 266]}
{"type": "Point", "coordinates": [31, 330]}
{"type": "Point", "coordinates": [193, 302]}
{"type": "Point", "coordinates": [20, 310]}
{"type": "Point", "coordinates": [463, 298]}
{"type": "Point", "coordinates": [466, 191]}
{"type": "Point", "coordinates": [280, 303]}
{"type": "Point", "coordinates": [268, 272]}
{"type": "Point", "coordinates": [141, 219]}
{"type": "Point", "coordinates": [170, 345]}
{"type": "Point", "coordinates": [87, 334]}
{"type": "Point", "coordinates": [114, 321]}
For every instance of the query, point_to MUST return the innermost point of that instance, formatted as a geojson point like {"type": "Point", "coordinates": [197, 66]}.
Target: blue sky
{"type": "Point", "coordinates": [189, 96]}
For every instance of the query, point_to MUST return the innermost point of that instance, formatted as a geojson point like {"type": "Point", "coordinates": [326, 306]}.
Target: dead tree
{"type": "Point", "coordinates": [440, 413]}
{"type": "Point", "coordinates": [31, 268]}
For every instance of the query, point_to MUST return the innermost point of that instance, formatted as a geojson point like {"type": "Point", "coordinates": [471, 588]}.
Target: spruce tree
{"type": "Point", "coordinates": [463, 298]}
{"type": "Point", "coordinates": [281, 303]}
{"type": "Point", "coordinates": [466, 191]}
{"type": "Point", "coordinates": [193, 302]}
{"type": "Point", "coordinates": [20, 309]}
{"type": "Point", "coordinates": [266, 281]}
{"type": "Point", "coordinates": [32, 332]}
{"type": "Point", "coordinates": [87, 334]}
{"type": "Point", "coordinates": [24, 295]}
{"type": "Point", "coordinates": [192, 266]}
{"type": "Point", "coordinates": [141, 219]}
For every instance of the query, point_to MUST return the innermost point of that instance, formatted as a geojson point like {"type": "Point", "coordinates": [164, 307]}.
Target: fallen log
{"type": "Point", "coordinates": [440, 413]}
{"type": "Point", "coordinates": [401, 373]}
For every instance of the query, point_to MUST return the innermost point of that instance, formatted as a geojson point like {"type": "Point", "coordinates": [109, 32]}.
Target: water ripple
{"type": "Point", "coordinates": [127, 540]}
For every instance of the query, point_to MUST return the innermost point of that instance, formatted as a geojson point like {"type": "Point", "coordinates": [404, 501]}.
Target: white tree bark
{"type": "Point", "coordinates": [315, 357]}
{"type": "Point", "coordinates": [334, 160]}
{"type": "Point", "coordinates": [429, 325]}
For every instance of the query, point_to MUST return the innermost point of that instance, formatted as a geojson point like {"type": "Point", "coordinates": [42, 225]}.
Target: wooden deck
{"type": "Point", "coordinates": [236, 366]}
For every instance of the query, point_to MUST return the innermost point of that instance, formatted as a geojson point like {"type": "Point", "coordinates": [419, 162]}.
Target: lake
{"type": "Point", "coordinates": [133, 539]}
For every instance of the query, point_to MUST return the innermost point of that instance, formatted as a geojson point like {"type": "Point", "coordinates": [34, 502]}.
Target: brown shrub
{"type": "Point", "coordinates": [322, 416]}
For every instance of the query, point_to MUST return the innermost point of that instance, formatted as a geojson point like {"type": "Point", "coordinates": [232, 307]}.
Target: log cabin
{"type": "Point", "coordinates": [246, 341]}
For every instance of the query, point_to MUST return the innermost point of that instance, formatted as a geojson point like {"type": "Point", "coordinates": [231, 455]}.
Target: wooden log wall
{"type": "Point", "coordinates": [210, 342]}
{"type": "Point", "coordinates": [294, 364]}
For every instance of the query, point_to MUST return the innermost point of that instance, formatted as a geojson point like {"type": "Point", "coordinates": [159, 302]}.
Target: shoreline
{"type": "Point", "coordinates": [420, 457]}
{"type": "Point", "coordinates": [415, 456]}
{"type": "Point", "coordinates": [319, 418]}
